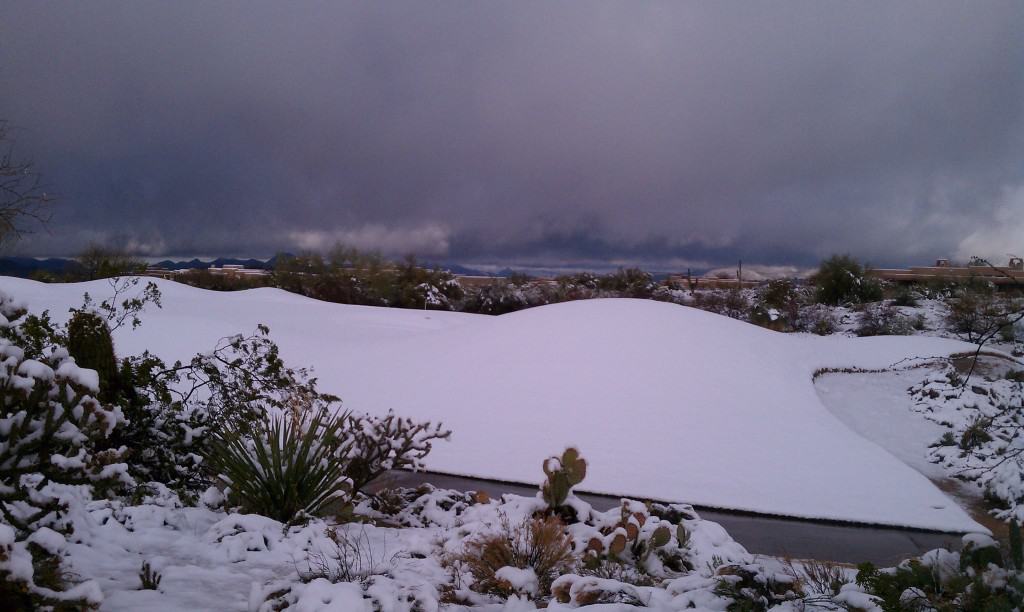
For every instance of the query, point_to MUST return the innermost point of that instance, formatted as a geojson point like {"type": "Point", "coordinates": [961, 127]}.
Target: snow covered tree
{"type": "Point", "coordinates": [51, 428]}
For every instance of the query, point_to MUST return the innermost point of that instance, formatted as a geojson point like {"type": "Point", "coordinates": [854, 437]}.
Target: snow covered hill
{"type": "Point", "coordinates": [665, 401]}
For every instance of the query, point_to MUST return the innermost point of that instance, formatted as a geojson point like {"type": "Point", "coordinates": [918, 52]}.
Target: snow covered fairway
{"type": "Point", "coordinates": [664, 401]}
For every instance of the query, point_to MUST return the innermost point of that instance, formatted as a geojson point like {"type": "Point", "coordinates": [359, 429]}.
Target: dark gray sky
{"type": "Point", "coordinates": [682, 133]}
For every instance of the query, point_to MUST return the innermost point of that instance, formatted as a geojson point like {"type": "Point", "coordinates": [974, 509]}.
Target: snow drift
{"type": "Point", "coordinates": [665, 402]}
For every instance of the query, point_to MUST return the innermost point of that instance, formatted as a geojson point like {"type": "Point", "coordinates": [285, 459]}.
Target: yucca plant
{"type": "Point", "coordinates": [286, 465]}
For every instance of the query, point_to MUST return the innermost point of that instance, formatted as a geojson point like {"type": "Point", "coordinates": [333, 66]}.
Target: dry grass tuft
{"type": "Point", "coordinates": [540, 544]}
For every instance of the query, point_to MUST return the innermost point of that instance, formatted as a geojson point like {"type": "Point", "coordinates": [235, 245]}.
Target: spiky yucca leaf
{"type": "Point", "coordinates": [284, 466]}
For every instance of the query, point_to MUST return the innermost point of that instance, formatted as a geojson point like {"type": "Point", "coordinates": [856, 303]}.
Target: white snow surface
{"type": "Point", "coordinates": [664, 401]}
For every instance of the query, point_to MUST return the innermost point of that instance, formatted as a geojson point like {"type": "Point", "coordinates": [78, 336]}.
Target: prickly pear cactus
{"type": "Point", "coordinates": [563, 473]}
{"type": "Point", "coordinates": [640, 540]}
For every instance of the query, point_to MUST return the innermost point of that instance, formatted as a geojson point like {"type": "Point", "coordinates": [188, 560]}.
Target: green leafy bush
{"type": "Point", "coordinates": [841, 279]}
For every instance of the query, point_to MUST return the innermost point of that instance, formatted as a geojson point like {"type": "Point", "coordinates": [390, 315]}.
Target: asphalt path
{"type": "Point", "coordinates": [760, 534]}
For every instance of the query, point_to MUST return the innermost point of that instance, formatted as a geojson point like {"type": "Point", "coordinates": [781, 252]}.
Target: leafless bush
{"type": "Point", "coordinates": [350, 557]}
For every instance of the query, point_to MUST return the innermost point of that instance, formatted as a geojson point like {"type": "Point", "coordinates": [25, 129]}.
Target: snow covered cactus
{"type": "Point", "coordinates": [563, 473]}
{"type": "Point", "coordinates": [89, 342]}
{"type": "Point", "coordinates": [50, 422]}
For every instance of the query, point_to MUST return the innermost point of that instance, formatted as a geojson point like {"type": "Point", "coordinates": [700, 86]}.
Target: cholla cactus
{"type": "Point", "coordinates": [563, 474]}
{"type": "Point", "coordinates": [50, 422]}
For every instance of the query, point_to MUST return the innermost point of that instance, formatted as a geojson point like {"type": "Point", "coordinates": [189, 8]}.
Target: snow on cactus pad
{"type": "Point", "coordinates": [664, 401]}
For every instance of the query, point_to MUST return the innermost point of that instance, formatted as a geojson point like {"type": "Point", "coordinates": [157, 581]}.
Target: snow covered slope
{"type": "Point", "coordinates": [664, 401]}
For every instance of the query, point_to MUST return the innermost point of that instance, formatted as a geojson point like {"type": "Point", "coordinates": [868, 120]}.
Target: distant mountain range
{"type": "Point", "coordinates": [192, 264]}
{"type": "Point", "coordinates": [25, 267]}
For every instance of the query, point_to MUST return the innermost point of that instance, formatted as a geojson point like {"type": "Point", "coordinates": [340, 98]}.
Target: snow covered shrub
{"type": "Point", "coordinates": [499, 298]}
{"type": "Point", "coordinates": [51, 426]}
{"type": "Point", "coordinates": [418, 287]}
{"type": "Point", "coordinates": [348, 558]}
{"type": "Point", "coordinates": [579, 286]}
{"type": "Point", "coordinates": [628, 282]}
{"type": "Point", "coordinates": [285, 465]}
{"type": "Point", "coordinates": [777, 306]}
{"type": "Point", "coordinates": [751, 588]}
{"type": "Point", "coordinates": [985, 438]}
{"type": "Point", "coordinates": [905, 296]}
{"type": "Point", "coordinates": [731, 303]}
{"type": "Point", "coordinates": [977, 578]}
{"type": "Point", "coordinates": [311, 458]}
{"type": "Point", "coordinates": [563, 473]}
{"type": "Point", "coordinates": [882, 319]}
{"type": "Point", "coordinates": [172, 409]}
{"type": "Point", "coordinates": [980, 314]}
{"type": "Point", "coordinates": [816, 319]}
{"type": "Point", "coordinates": [519, 559]}
{"type": "Point", "coordinates": [841, 279]}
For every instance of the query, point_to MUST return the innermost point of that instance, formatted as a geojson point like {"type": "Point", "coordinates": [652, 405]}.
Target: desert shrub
{"type": "Point", "coordinates": [309, 457]}
{"type": "Point", "coordinates": [51, 426]}
{"type": "Point", "coordinates": [883, 319]}
{"type": "Point", "coordinates": [976, 434]}
{"type": "Point", "coordinates": [816, 319]}
{"type": "Point", "coordinates": [974, 579]}
{"type": "Point", "coordinates": [349, 557]}
{"type": "Point", "coordinates": [539, 545]}
{"type": "Point", "coordinates": [751, 589]}
{"type": "Point", "coordinates": [499, 298]}
{"type": "Point", "coordinates": [731, 303]}
{"type": "Point", "coordinates": [418, 287]}
{"type": "Point", "coordinates": [904, 296]}
{"type": "Point", "coordinates": [204, 279]}
{"type": "Point", "coordinates": [579, 286]}
{"type": "Point", "coordinates": [285, 465]}
{"type": "Point", "coordinates": [841, 279]}
{"type": "Point", "coordinates": [628, 282]}
{"type": "Point", "coordinates": [777, 306]}
{"type": "Point", "coordinates": [978, 315]}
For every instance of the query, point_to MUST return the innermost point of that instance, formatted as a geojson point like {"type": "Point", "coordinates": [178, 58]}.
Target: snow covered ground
{"type": "Point", "coordinates": [665, 401]}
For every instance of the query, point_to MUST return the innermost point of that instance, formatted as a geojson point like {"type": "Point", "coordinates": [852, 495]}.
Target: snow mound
{"type": "Point", "coordinates": [664, 401]}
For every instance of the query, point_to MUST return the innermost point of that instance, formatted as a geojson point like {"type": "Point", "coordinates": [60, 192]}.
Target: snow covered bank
{"type": "Point", "coordinates": [665, 401]}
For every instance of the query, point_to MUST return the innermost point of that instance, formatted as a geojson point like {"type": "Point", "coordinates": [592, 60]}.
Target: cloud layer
{"type": "Point", "coordinates": [559, 132]}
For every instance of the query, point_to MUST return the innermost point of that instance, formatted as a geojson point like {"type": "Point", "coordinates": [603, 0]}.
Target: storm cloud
{"type": "Point", "coordinates": [673, 133]}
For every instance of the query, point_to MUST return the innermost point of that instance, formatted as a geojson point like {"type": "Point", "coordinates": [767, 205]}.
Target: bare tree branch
{"type": "Point", "coordinates": [24, 201]}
